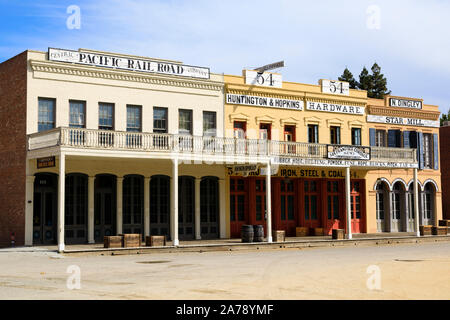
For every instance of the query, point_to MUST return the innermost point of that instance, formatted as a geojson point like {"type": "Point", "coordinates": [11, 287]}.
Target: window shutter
{"type": "Point", "coordinates": [436, 151]}
{"type": "Point", "coordinates": [372, 136]}
{"type": "Point", "coordinates": [413, 139]}
{"type": "Point", "coordinates": [406, 137]}
{"type": "Point", "coordinates": [392, 137]}
{"type": "Point", "coordinates": [420, 150]}
{"type": "Point", "coordinates": [338, 135]}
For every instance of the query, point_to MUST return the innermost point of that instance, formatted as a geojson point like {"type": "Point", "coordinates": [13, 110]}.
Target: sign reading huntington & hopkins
{"type": "Point", "coordinates": [264, 102]}
{"type": "Point", "coordinates": [348, 152]}
{"type": "Point", "coordinates": [127, 63]}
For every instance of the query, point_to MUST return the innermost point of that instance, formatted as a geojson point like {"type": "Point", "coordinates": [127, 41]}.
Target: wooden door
{"type": "Point", "coordinates": [287, 219]}
{"type": "Point", "coordinates": [238, 206]}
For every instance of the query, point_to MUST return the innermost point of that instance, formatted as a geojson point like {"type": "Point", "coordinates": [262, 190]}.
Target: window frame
{"type": "Point", "coordinates": [354, 136]}
{"type": "Point", "coordinates": [190, 121]}
{"type": "Point", "coordinates": [205, 132]}
{"type": "Point", "coordinates": [113, 107]}
{"type": "Point", "coordinates": [159, 129]}
{"type": "Point", "coordinates": [54, 113]}
{"type": "Point", "coordinates": [83, 102]}
{"type": "Point", "coordinates": [135, 107]}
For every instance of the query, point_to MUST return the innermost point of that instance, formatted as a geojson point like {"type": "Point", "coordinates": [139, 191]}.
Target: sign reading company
{"type": "Point", "coordinates": [331, 107]}
{"type": "Point", "coordinates": [348, 152]}
{"type": "Point", "coordinates": [404, 103]}
{"type": "Point", "coordinates": [335, 87]}
{"type": "Point", "coordinates": [120, 62]}
{"type": "Point", "coordinates": [264, 102]}
{"type": "Point", "coordinates": [265, 79]}
{"type": "Point", "coordinates": [403, 121]}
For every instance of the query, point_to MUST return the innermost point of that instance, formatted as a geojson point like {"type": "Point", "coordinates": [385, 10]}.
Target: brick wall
{"type": "Point", "coordinates": [13, 81]}
{"type": "Point", "coordinates": [444, 153]}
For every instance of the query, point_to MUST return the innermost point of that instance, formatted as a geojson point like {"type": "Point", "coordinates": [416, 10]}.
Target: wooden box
{"type": "Point", "coordinates": [131, 240]}
{"type": "Point", "coordinates": [425, 230]}
{"type": "Point", "coordinates": [316, 231]}
{"type": "Point", "coordinates": [301, 232]}
{"type": "Point", "coordinates": [279, 235]}
{"type": "Point", "coordinates": [155, 241]}
{"type": "Point", "coordinates": [439, 231]}
{"type": "Point", "coordinates": [444, 223]}
{"type": "Point", "coordinates": [338, 234]}
{"type": "Point", "coordinates": [112, 241]}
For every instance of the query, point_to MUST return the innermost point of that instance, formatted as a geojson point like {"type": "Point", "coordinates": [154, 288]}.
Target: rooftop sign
{"type": "Point", "coordinates": [405, 103]}
{"type": "Point", "coordinates": [127, 63]}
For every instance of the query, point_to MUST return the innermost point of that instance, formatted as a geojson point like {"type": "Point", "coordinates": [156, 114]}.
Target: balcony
{"type": "Point", "coordinates": [224, 148]}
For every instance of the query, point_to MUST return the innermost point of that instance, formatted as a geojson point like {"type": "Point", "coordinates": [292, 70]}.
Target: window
{"type": "Point", "coordinates": [313, 133]}
{"type": "Point", "coordinates": [133, 118]}
{"type": "Point", "coordinates": [356, 136]}
{"type": "Point", "coordinates": [209, 123]}
{"type": "Point", "coordinates": [185, 121]}
{"type": "Point", "coordinates": [77, 114]}
{"type": "Point", "coordinates": [335, 135]}
{"type": "Point", "coordinates": [106, 116]}
{"type": "Point", "coordinates": [380, 138]}
{"type": "Point", "coordinates": [394, 139]}
{"type": "Point", "coordinates": [239, 129]}
{"type": "Point", "coordinates": [160, 120]}
{"type": "Point", "coordinates": [46, 114]}
{"type": "Point", "coordinates": [427, 150]}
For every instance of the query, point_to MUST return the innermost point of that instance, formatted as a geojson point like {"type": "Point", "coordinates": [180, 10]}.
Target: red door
{"type": "Point", "coordinates": [356, 206]}
{"type": "Point", "coordinates": [238, 206]}
{"type": "Point", "coordinates": [287, 220]}
{"type": "Point", "coordinates": [334, 203]}
{"type": "Point", "coordinates": [260, 202]}
{"type": "Point", "coordinates": [311, 203]}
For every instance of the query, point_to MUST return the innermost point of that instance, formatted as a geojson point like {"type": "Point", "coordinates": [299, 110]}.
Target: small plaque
{"type": "Point", "coordinates": [47, 162]}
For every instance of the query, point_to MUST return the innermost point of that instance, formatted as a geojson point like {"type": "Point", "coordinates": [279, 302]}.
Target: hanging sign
{"type": "Point", "coordinates": [348, 152]}
{"type": "Point", "coordinates": [265, 79]}
{"type": "Point", "coordinates": [47, 162]}
{"type": "Point", "coordinates": [126, 63]}
{"type": "Point", "coordinates": [271, 66]}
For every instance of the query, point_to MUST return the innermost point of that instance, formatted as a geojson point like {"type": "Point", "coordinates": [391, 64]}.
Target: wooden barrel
{"type": "Point", "coordinates": [258, 233]}
{"type": "Point", "coordinates": [247, 233]}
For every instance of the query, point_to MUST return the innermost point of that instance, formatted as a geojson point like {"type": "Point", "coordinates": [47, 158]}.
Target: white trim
{"type": "Point", "coordinates": [432, 182]}
{"type": "Point", "coordinates": [418, 181]}
{"type": "Point", "coordinates": [382, 180]}
{"type": "Point", "coordinates": [399, 180]}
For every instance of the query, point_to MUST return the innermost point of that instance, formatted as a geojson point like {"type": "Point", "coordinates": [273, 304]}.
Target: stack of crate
{"type": "Point", "coordinates": [112, 241]}
{"type": "Point", "coordinates": [301, 232]}
{"type": "Point", "coordinates": [131, 240]}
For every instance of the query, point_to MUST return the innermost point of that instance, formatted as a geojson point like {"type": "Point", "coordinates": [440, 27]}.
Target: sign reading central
{"type": "Point", "coordinates": [348, 152]}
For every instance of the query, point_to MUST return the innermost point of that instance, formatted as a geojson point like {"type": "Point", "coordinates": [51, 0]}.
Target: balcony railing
{"type": "Point", "coordinates": [161, 142]}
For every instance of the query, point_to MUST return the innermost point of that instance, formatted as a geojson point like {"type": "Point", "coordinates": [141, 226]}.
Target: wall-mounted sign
{"type": "Point", "coordinates": [332, 107]}
{"type": "Point", "coordinates": [291, 161]}
{"type": "Point", "coordinates": [403, 121]}
{"type": "Point", "coordinates": [265, 79]}
{"type": "Point", "coordinates": [47, 162]}
{"type": "Point", "coordinates": [244, 169]}
{"type": "Point", "coordinates": [348, 152]}
{"type": "Point", "coordinates": [264, 102]}
{"type": "Point", "coordinates": [271, 66]}
{"type": "Point", "coordinates": [335, 87]}
{"type": "Point", "coordinates": [121, 62]}
{"type": "Point", "coordinates": [404, 103]}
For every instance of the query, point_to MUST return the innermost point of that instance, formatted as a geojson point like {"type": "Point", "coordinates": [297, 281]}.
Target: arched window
{"type": "Point", "coordinates": [428, 201]}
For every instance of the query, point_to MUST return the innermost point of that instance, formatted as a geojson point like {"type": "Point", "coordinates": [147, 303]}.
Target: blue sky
{"type": "Point", "coordinates": [315, 39]}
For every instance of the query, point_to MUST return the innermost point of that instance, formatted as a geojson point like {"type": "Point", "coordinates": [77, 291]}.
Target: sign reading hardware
{"type": "Point", "coordinates": [265, 79]}
{"type": "Point", "coordinates": [331, 107]}
{"type": "Point", "coordinates": [47, 162]}
{"type": "Point", "coordinates": [264, 102]}
{"type": "Point", "coordinates": [403, 121]}
{"type": "Point", "coordinates": [404, 103]}
{"type": "Point", "coordinates": [348, 152]}
{"type": "Point", "coordinates": [120, 62]}
{"type": "Point", "coordinates": [335, 87]}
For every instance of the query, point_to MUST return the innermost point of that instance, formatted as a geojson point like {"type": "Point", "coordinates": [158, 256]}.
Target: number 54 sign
{"type": "Point", "coordinates": [266, 79]}
{"type": "Point", "coordinates": [335, 87]}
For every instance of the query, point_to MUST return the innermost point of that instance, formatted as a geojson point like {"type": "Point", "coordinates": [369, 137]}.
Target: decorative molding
{"type": "Point", "coordinates": [239, 117]}
{"type": "Point", "coordinates": [115, 74]}
{"type": "Point", "coordinates": [265, 119]}
{"type": "Point", "coordinates": [289, 121]}
{"type": "Point", "coordinates": [382, 180]}
{"type": "Point", "coordinates": [334, 121]}
{"type": "Point", "coordinates": [312, 120]}
{"type": "Point", "coordinates": [403, 113]}
{"type": "Point", "coordinates": [436, 189]}
{"type": "Point", "coordinates": [356, 124]}
{"type": "Point", "coordinates": [401, 181]}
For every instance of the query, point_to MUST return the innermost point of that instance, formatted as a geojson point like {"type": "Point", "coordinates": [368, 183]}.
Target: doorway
{"type": "Point", "coordinates": [209, 208]}
{"type": "Point", "coordinates": [104, 206]}
{"type": "Point", "coordinates": [160, 206]}
{"type": "Point", "coordinates": [45, 204]}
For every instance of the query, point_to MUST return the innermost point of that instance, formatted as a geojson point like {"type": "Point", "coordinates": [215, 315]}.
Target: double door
{"type": "Point", "coordinates": [45, 203]}
{"type": "Point", "coordinates": [104, 207]}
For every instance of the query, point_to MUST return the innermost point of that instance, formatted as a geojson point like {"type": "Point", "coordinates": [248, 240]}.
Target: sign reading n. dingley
{"type": "Point", "coordinates": [403, 121]}
{"type": "Point", "coordinates": [348, 152]}
{"type": "Point", "coordinates": [264, 102]}
{"type": "Point", "coordinates": [333, 107]}
{"type": "Point", "coordinates": [404, 103]}
{"type": "Point", "coordinates": [121, 62]}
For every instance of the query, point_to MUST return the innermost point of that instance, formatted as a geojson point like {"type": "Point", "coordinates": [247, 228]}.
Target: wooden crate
{"type": "Point", "coordinates": [444, 223]}
{"type": "Point", "coordinates": [279, 235]}
{"type": "Point", "coordinates": [301, 232]}
{"type": "Point", "coordinates": [439, 231]}
{"type": "Point", "coordinates": [131, 240]}
{"type": "Point", "coordinates": [155, 241]}
{"type": "Point", "coordinates": [112, 241]}
{"type": "Point", "coordinates": [338, 234]}
{"type": "Point", "coordinates": [425, 230]}
{"type": "Point", "coordinates": [316, 231]}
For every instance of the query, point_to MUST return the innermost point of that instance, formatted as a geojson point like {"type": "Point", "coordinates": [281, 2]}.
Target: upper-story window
{"type": "Point", "coordinates": [106, 116]}
{"type": "Point", "coordinates": [380, 138]}
{"type": "Point", "coordinates": [209, 123]}
{"type": "Point", "coordinates": [185, 121]}
{"type": "Point", "coordinates": [356, 136]}
{"type": "Point", "coordinates": [160, 120]}
{"type": "Point", "coordinates": [313, 133]}
{"type": "Point", "coordinates": [239, 129]}
{"type": "Point", "coordinates": [335, 135]}
{"type": "Point", "coordinates": [427, 151]}
{"type": "Point", "coordinates": [394, 139]}
{"type": "Point", "coordinates": [134, 118]}
{"type": "Point", "coordinates": [77, 114]}
{"type": "Point", "coordinates": [46, 114]}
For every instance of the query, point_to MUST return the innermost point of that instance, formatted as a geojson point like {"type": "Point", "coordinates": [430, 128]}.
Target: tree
{"type": "Point", "coordinates": [348, 77]}
{"type": "Point", "coordinates": [445, 117]}
{"type": "Point", "coordinates": [365, 81]}
{"type": "Point", "coordinates": [378, 87]}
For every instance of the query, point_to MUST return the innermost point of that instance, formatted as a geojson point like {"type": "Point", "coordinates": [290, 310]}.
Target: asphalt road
{"type": "Point", "coordinates": [418, 271]}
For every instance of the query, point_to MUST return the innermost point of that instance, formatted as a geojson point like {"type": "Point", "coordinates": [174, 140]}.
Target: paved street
{"type": "Point", "coordinates": [407, 272]}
